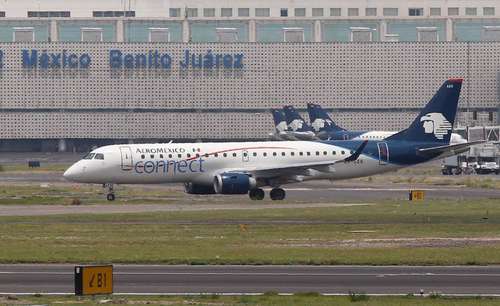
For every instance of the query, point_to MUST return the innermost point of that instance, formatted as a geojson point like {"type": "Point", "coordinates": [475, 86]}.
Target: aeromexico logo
{"type": "Point", "coordinates": [435, 123]}
{"type": "Point", "coordinates": [296, 124]}
{"type": "Point", "coordinates": [319, 124]}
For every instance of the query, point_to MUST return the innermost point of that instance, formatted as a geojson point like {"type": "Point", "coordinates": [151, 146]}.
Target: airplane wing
{"type": "Point", "coordinates": [300, 169]}
{"type": "Point", "coordinates": [450, 149]}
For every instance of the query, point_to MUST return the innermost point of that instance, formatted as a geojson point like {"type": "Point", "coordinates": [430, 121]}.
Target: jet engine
{"type": "Point", "coordinates": [192, 188]}
{"type": "Point", "coordinates": [233, 183]}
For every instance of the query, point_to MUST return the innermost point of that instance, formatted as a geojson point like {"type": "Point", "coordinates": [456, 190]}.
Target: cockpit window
{"type": "Point", "coordinates": [89, 156]}
{"type": "Point", "coordinates": [99, 156]}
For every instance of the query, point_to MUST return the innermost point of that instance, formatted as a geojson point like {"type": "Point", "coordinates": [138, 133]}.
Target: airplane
{"type": "Point", "coordinates": [281, 129]}
{"type": "Point", "coordinates": [326, 128]}
{"type": "Point", "coordinates": [297, 126]}
{"type": "Point", "coordinates": [246, 167]}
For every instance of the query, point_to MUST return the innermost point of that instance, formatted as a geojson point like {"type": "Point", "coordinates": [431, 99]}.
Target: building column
{"type": "Point", "coordinates": [61, 146]}
{"type": "Point", "coordinates": [53, 31]}
{"type": "Point", "coordinates": [119, 31]}
{"type": "Point", "coordinates": [449, 29]}
{"type": "Point", "coordinates": [186, 35]}
{"type": "Point", "coordinates": [318, 37]}
{"type": "Point", "coordinates": [383, 29]}
{"type": "Point", "coordinates": [252, 31]}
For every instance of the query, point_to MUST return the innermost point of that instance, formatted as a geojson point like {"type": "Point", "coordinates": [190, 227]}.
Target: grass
{"type": "Point", "coordinates": [343, 235]}
{"type": "Point", "coordinates": [44, 167]}
{"type": "Point", "coordinates": [266, 299]}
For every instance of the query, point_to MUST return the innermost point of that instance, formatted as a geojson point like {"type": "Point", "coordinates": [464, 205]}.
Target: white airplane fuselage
{"type": "Point", "coordinates": [200, 162]}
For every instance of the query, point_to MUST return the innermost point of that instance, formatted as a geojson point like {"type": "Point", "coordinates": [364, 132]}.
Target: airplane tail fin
{"type": "Point", "coordinates": [435, 121]}
{"type": "Point", "coordinates": [295, 121]}
{"type": "Point", "coordinates": [320, 120]}
{"type": "Point", "coordinates": [279, 118]}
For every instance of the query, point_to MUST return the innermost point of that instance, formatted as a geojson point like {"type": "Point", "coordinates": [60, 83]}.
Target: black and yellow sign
{"type": "Point", "coordinates": [93, 280]}
{"type": "Point", "coordinates": [417, 195]}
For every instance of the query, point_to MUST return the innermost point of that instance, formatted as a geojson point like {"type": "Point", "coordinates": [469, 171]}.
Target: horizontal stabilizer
{"type": "Point", "coordinates": [453, 149]}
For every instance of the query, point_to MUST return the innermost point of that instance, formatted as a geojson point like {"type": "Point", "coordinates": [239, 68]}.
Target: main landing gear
{"type": "Point", "coordinates": [110, 196]}
{"type": "Point", "coordinates": [276, 194]}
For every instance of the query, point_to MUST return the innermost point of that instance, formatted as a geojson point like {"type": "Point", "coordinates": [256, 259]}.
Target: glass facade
{"type": "Point", "coordinates": [474, 30]}
{"type": "Point", "coordinates": [72, 30]}
{"type": "Point", "coordinates": [206, 31]}
{"type": "Point", "coordinates": [275, 31]}
{"type": "Point", "coordinates": [40, 29]}
{"type": "Point", "coordinates": [408, 30]}
{"type": "Point", "coordinates": [342, 31]}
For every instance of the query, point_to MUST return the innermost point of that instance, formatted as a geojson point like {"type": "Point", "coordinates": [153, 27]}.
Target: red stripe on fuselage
{"type": "Point", "coordinates": [239, 149]}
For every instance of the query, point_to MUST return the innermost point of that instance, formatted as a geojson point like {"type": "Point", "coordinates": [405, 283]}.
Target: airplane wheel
{"type": "Point", "coordinates": [256, 194]}
{"type": "Point", "coordinates": [110, 197]}
{"type": "Point", "coordinates": [277, 194]}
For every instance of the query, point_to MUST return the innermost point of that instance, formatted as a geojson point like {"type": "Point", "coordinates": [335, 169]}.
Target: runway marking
{"type": "Point", "coordinates": [368, 189]}
{"type": "Point", "coordinates": [266, 274]}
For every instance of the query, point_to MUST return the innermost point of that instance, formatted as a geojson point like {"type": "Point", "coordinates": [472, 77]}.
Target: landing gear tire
{"type": "Point", "coordinates": [111, 193]}
{"type": "Point", "coordinates": [277, 194]}
{"type": "Point", "coordinates": [256, 194]}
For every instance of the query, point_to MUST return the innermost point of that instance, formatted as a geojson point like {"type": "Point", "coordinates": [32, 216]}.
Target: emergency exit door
{"type": "Point", "coordinates": [383, 153]}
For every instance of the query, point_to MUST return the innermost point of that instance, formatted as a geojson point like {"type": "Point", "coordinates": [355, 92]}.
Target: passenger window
{"type": "Point", "coordinates": [152, 156]}
{"type": "Point", "coordinates": [169, 155]}
{"type": "Point", "coordinates": [161, 156]}
{"type": "Point", "coordinates": [342, 152]}
{"type": "Point", "coordinates": [254, 153]}
{"type": "Point", "coordinates": [301, 153]}
{"type": "Point", "coordinates": [179, 155]}
{"type": "Point", "coordinates": [333, 152]}
{"type": "Point", "coordinates": [274, 154]}
{"type": "Point", "coordinates": [224, 154]}
{"type": "Point", "coordinates": [143, 156]}
{"type": "Point", "coordinates": [264, 154]}
{"type": "Point", "coordinates": [99, 156]}
{"type": "Point", "coordinates": [292, 153]}
{"type": "Point", "coordinates": [234, 154]}
{"type": "Point", "coordinates": [216, 155]}
{"type": "Point", "coordinates": [206, 154]}
{"type": "Point", "coordinates": [197, 155]}
{"type": "Point", "coordinates": [324, 152]}
{"type": "Point", "coordinates": [308, 153]}
{"type": "Point", "coordinates": [282, 153]}
{"type": "Point", "coordinates": [351, 152]}
{"type": "Point", "coordinates": [317, 153]}
{"type": "Point", "coordinates": [245, 154]}
{"type": "Point", "coordinates": [188, 155]}
{"type": "Point", "coordinates": [90, 156]}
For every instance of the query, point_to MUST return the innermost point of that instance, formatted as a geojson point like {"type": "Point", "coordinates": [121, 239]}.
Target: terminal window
{"type": "Point", "coordinates": [226, 12]}
{"type": "Point", "coordinates": [24, 34]}
{"type": "Point", "coordinates": [113, 13]}
{"type": "Point", "coordinates": [390, 11]}
{"type": "Point", "coordinates": [300, 12]}
{"type": "Point", "coordinates": [490, 33]}
{"type": "Point", "coordinates": [36, 14]}
{"type": "Point", "coordinates": [335, 11]}
{"type": "Point", "coordinates": [488, 11]}
{"type": "Point", "coordinates": [91, 34]}
{"type": "Point", "coordinates": [453, 11]}
{"type": "Point", "coordinates": [427, 34]}
{"type": "Point", "coordinates": [470, 11]}
{"type": "Point", "coordinates": [293, 34]}
{"type": "Point", "coordinates": [361, 34]}
{"type": "Point", "coordinates": [371, 11]}
{"type": "Point", "coordinates": [435, 11]}
{"type": "Point", "coordinates": [352, 11]}
{"type": "Point", "coordinates": [284, 12]}
{"type": "Point", "coordinates": [208, 12]}
{"type": "Point", "coordinates": [2, 14]}
{"type": "Point", "coordinates": [243, 12]}
{"type": "Point", "coordinates": [317, 12]}
{"type": "Point", "coordinates": [191, 12]}
{"type": "Point", "coordinates": [227, 34]}
{"type": "Point", "coordinates": [415, 12]}
{"type": "Point", "coordinates": [159, 35]}
{"type": "Point", "coordinates": [262, 12]}
{"type": "Point", "coordinates": [175, 12]}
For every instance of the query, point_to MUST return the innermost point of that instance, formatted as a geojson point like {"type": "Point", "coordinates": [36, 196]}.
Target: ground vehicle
{"type": "Point", "coordinates": [458, 164]}
{"type": "Point", "coordinates": [486, 165]}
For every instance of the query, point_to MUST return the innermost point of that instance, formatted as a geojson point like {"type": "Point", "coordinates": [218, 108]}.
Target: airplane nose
{"type": "Point", "coordinates": [72, 173]}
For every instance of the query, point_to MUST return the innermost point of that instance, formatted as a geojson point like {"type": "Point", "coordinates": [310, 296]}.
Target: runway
{"type": "Point", "coordinates": [156, 279]}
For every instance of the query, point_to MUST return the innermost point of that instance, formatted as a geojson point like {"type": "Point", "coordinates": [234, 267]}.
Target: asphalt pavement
{"type": "Point", "coordinates": [158, 279]}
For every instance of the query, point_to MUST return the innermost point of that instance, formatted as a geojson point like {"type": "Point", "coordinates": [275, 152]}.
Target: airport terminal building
{"type": "Point", "coordinates": [79, 73]}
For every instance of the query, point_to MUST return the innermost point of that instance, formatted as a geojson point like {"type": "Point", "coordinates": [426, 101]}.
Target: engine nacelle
{"type": "Point", "coordinates": [192, 188]}
{"type": "Point", "coordinates": [233, 183]}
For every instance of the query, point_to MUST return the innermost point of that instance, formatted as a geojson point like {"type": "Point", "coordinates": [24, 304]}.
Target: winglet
{"type": "Point", "coordinates": [358, 152]}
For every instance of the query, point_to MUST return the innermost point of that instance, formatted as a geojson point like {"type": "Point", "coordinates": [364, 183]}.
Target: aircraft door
{"type": "Point", "coordinates": [345, 137]}
{"type": "Point", "coordinates": [245, 156]}
{"type": "Point", "coordinates": [383, 153]}
{"type": "Point", "coordinates": [126, 157]}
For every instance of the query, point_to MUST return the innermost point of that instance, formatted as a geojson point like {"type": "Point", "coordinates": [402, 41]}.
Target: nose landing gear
{"type": "Point", "coordinates": [111, 193]}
